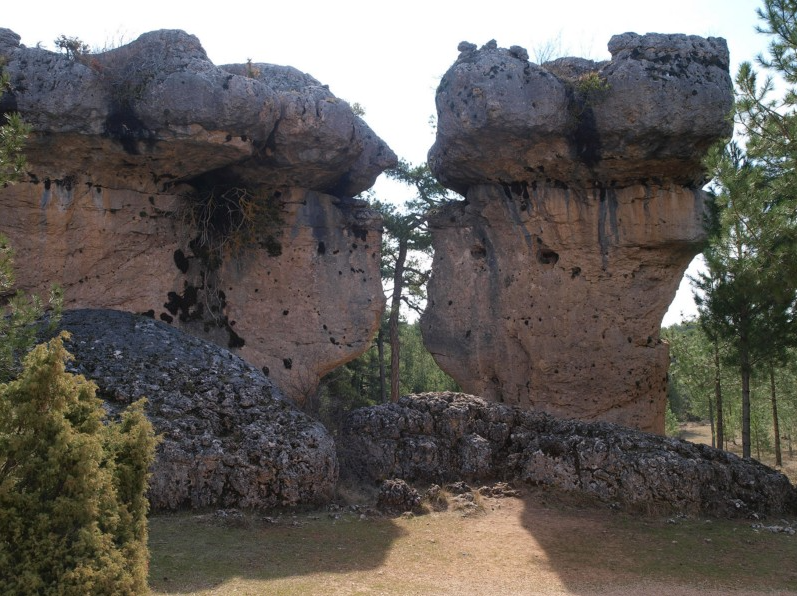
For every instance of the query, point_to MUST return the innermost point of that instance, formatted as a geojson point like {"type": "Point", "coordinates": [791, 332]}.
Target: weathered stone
{"type": "Point", "coordinates": [583, 210]}
{"type": "Point", "coordinates": [157, 111]}
{"type": "Point", "coordinates": [610, 463]}
{"type": "Point", "coordinates": [163, 184]}
{"type": "Point", "coordinates": [648, 114]}
{"type": "Point", "coordinates": [229, 437]}
{"type": "Point", "coordinates": [551, 299]}
{"type": "Point", "coordinates": [303, 297]}
{"type": "Point", "coordinates": [396, 496]}
{"type": "Point", "coordinates": [316, 137]}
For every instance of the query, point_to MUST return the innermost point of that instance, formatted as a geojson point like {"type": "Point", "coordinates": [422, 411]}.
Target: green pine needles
{"type": "Point", "coordinates": [72, 485]}
{"type": "Point", "coordinates": [13, 132]}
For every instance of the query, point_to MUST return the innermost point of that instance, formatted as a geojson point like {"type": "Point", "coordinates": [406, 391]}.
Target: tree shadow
{"type": "Point", "coordinates": [191, 552]}
{"type": "Point", "coordinates": [594, 548]}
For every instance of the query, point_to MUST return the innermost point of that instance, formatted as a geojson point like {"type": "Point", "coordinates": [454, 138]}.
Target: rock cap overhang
{"type": "Point", "coordinates": [649, 113]}
{"type": "Point", "coordinates": [159, 104]}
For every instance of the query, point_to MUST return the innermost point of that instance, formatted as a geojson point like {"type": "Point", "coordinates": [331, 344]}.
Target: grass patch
{"type": "Point", "coordinates": [195, 553]}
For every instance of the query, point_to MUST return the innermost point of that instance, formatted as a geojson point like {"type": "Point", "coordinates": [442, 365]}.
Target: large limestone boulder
{"type": "Point", "coordinates": [215, 198]}
{"type": "Point", "coordinates": [583, 210]}
{"type": "Point", "coordinates": [446, 437]}
{"type": "Point", "coordinates": [229, 438]}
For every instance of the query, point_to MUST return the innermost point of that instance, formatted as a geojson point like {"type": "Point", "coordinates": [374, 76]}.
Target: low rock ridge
{"type": "Point", "coordinates": [439, 437]}
{"type": "Point", "coordinates": [229, 437]}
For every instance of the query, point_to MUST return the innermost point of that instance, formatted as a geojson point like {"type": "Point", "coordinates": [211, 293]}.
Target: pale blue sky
{"type": "Point", "coordinates": [388, 56]}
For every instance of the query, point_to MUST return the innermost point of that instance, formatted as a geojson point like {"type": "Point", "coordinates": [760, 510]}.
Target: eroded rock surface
{"type": "Point", "coordinates": [449, 436]}
{"type": "Point", "coordinates": [649, 113]}
{"type": "Point", "coordinates": [229, 437]}
{"type": "Point", "coordinates": [583, 210]}
{"type": "Point", "coordinates": [215, 198]}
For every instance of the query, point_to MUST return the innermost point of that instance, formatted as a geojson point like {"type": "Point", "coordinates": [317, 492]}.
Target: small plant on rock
{"type": "Point", "coordinates": [252, 71]}
{"type": "Point", "coordinates": [591, 86]}
{"type": "Point", "coordinates": [74, 47]}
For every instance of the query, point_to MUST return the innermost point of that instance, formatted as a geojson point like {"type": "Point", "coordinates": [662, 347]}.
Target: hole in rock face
{"type": "Point", "coordinates": [546, 256]}
{"type": "Point", "coordinates": [181, 261]}
{"type": "Point", "coordinates": [477, 251]}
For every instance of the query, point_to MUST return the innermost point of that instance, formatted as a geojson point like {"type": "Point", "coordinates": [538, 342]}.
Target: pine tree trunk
{"type": "Point", "coordinates": [775, 425]}
{"type": "Point", "coordinates": [711, 421]}
{"type": "Point", "coordinates": [744, 359]}
{"type": "Point", "coordinates": [395, 304]}
{"type": "Point", "coordinates": [380, 350]}
{"type": "Point", "coordinates": [718, 396]}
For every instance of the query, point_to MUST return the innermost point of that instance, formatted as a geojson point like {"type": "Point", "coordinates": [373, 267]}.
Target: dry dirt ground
{"type": "Point", "coordinates": [539, 543]}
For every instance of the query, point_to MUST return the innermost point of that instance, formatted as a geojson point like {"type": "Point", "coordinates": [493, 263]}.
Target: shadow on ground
{"type": "Point", "coordinates": [593, 548]}
{"type": "Point", "coordinates": [544, 542]}
{"type": "Point", "coordinates": [191, 553]}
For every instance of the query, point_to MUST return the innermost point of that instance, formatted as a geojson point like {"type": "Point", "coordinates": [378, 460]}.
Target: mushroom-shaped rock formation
{"type": "Point", "coordinates": [584, 207]}
{"type": "Point", "coordinates": [215, 198]}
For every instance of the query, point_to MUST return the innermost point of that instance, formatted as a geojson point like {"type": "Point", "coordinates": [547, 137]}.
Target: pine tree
{"type": "Point", "coordinates": [750, 287]}
{"type": "Point", "coordinates": [406, 237]}
{"type": "Point", "coordinates": [745, 298]}
{"type": "Point", "coordinates": [12, 139]}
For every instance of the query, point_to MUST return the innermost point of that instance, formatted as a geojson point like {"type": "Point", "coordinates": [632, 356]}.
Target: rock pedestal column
{"type": "Point", "coordinates": [583, 209]}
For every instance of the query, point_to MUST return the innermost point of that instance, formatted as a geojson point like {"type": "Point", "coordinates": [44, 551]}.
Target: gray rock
{"type": "Point", "coordinates": [396, 496]}
{"type": "Point", "coordinates": [600, 460]}
{"type": "Point", "coordinates": [229, 438]}
{"type": "Point", "coordinates": [8, 40]}
{"type": "Point", "coordinates": [519, 52]}
{"type": "Point", "coordinates": [649, 113]}
{"type": "Point", "coordinates": [318, 131]}
{"type": "Point", "coordinates": [492, 110]}
{"type": "Point", "coordinates": [159, 106]}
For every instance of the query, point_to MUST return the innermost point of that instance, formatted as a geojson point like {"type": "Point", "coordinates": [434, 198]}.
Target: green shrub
{"type": "Point", "coordinates": [672, 427]}
{"type": "Point", "coordinates": [13, 133]}
{"type": "Point", "coordinates": [72, 504]}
